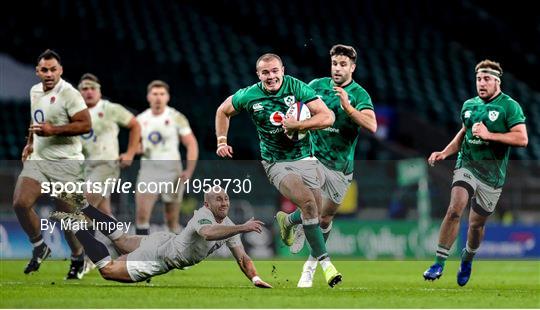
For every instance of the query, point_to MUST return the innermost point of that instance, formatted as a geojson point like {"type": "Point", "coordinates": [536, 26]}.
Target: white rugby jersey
{"type": "Point", "coordinates": [101, 143]}
{"type": "Point", "coordinates": [56, 106]}
{"type": "Point", "coordinates": [190, 248]}
{"type": "Point", "coordinates": [160, 133]}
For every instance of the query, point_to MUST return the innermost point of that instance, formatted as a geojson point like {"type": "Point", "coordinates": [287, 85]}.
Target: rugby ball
{"type": "Point", "coordinates": [300, 112]}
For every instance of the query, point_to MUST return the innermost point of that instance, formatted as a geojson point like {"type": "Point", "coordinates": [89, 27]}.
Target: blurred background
{"type": "Point", "coordinates": [415, 58]}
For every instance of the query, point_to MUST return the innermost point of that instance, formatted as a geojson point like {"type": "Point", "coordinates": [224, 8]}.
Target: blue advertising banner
{"type": "Point", "coordinates": [514, 241]}
{"type": "Point", "coordinates": [14, 243]}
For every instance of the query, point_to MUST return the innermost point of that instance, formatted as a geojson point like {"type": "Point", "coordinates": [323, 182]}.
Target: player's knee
{"type": "Point", "coordinates": [454, 213]}
{"type": "Point", "coordinates": [21, 203]}
{"type": "Point", "coordinates": [107, 272]}
{"type": "Point", "coordinates": [326, 220]}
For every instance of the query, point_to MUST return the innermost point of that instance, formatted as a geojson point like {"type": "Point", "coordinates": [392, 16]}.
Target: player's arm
{"type": "Point", "coordinates": [29, 147]}
{"type": "Point", "coordinates": [223, 115]}
{"type": "Point", "coordinates": [192, 146]}
{"type": "Point", "coordinates": [517, 136]}
{"type": "Point", "coordinates": [133, 142]}
{"type": "Point", "coordinates": [80, 123]}
{"type": "Point", "coordinates": [220, 232]}
{"type": "Point", "coordinates": [321, 117]}
{"type": "Point", "coordinates": [365, 118]}
{"type": "Point", "coordinates": [452, 148]}
{"type": "Point", "coordinates": [248, 268]}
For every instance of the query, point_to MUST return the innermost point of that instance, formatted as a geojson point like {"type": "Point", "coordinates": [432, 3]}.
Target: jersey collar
{"type": "Point", "coordinates": [493, 99]}
{"type": "Point", "coordinates": [343, 86]}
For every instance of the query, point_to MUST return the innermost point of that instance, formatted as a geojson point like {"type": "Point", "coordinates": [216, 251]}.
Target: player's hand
{"type": "Point", "coordinates": [480, 130]}
{"type": "Point", "coordinates": [435, 157]}
{"type": "Point", "coordinates": [343, 98]}
{"type": "Point", "coordinates": [42, 129]}
{"type": "Point", "coordinates": [258, 282]}
{"type": "Point", "coordinates": [290, 124]}
{"type": "Point", "coordinates": [224, 150]}
{"type": "Point", "coordinates": [125, 159]}
{"type": "Point", "coordinates": [253, 225]}
{"type": "Point", "coordinates": [186, 175]}
{"type": "Point", "coordinates": [28, 149]}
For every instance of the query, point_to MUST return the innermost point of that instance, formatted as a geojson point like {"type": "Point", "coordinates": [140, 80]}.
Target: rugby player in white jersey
{"type": "Point", "coordinates": [52, 154]}
{"type": "Point", "coordinates": [100, 145]}
{"type": "Point", "coordinates": [162, 130]}
{"type": "Point", "coordinates": [155, 254]}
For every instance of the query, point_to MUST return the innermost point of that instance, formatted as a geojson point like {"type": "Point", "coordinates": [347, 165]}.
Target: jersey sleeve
{"type": "Point", "coordinates": [303, 92]}
{"type": "Point", "coordinates": [240, 99]}
{"type": "Point", "coordinates": [74, 102]}
{"type": "Point", "coordinates": [363, 101]}
{"type": "Point", "coordinates": [119, 114]}
{"type": "Point", "coordinates": [201, 222]}
{"type": "Point", "coordinates": [235, 240]}
{"type": "Point", "coordinates": [514, 114]}
{"type": "Point", "coordinates": [182, 124]}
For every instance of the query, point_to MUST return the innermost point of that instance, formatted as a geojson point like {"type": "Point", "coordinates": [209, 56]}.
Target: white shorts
{"type": "Point", "coordinates": [163, 172]}
{"type": "Point", "coordinates": [67, 171]}
{"type": "Point", "coordinates": [484, 196]}
{"type": "Point", "coordinates": [144, 262]}
{"type": "Point", "coordinates": [305, 168]}
{"type": "Point", "coordinates": [100, 171]}
{"type": "Point", "coordinates": [53, 171]}
{"type": "Point", "coordinates": [334, 184]}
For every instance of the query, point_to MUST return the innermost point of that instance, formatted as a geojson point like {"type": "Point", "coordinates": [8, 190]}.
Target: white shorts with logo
{"type": "Point", "coordinates": [334, 184]}
{"type": "Point", "coordinates": [306, 168]}
{"type": "Point", "coordinates": [485, 196]}
{"type": "Point", "coordinates": [145, 262]}
{"type": "Point", "coordinates": [162, 172]}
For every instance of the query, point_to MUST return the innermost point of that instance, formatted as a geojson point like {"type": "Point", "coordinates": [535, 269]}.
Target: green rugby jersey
{"type": "Point", "coordinates": [488, 160]}
{"type": "Point", "coordinates": [334, 146]}
{"type": "Point", "coordinates": [267, 110]}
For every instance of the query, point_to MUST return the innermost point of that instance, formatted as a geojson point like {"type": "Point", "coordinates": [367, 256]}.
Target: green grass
{"type": "Point", "coordinates": [220, 284]}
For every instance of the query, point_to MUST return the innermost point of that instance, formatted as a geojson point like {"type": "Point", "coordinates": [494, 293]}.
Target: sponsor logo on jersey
{"type": "Point", "coordinates": [204, 221]}
{"type": "Point", "coordinates": [493, 115]}
{"type": "Point", "coordinates": [467, 114]}
{"type": "Point", "coordinates": [289, 100]}
{"type": "Point", "coordinates": [331, 129]}
{"type": "Point", "coordinates": [277, 118]}
{"type": "Point", "coordinates": [258, 107]}
{"type": "Point", "coordinates": [277, 130]}
{"type": "Point", "coordinates": [477, 142]}
{"type": "Point", "coordinates": [155, 137]}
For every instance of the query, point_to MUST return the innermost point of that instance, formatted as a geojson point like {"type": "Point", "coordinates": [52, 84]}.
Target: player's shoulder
{"type": "Point", "coordinates": [203, 216]}
{"type": "Point", "coordinates": [509, 100]}
{"type": "Point", "coordinates": [174, 112]}
{"type": "Point", "coordinates": [358, 90]}
{"type": "Point", "coordinates": [472, 101]}
{"type": "Point", "coordinates": [292, 81]}
{"type": "Point", "coordinates": [38, 88]}
{"type": "Point", "coordinates": [319, 83]}
{"type": "Point", "coordinates": [144, 114]}
{"type": "Point", "coordinates": [68, 89]}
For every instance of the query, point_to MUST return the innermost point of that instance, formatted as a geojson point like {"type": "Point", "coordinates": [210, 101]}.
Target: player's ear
{"type": "Point", "coordinates": [353, 67]}
{"type": "Point", "coordinates": [61, 70]}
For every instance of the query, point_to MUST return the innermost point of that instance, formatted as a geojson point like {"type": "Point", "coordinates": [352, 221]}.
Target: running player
{"type": "Point", "coordinates": [492, 123]}
{"type": "Point", "coordinates": [287, 163]}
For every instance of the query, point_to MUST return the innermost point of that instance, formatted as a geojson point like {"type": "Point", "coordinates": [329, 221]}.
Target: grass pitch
{"type": "Point", "coordinates": [220, 284]}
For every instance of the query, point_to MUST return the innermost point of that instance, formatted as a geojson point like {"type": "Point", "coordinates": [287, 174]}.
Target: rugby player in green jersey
{"type": "Point", "coordinates": [492, 123]}
{"type": "Point", "coordinates": [287, 163]}
{"type": "Point", "coordinates": [334, 146]}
